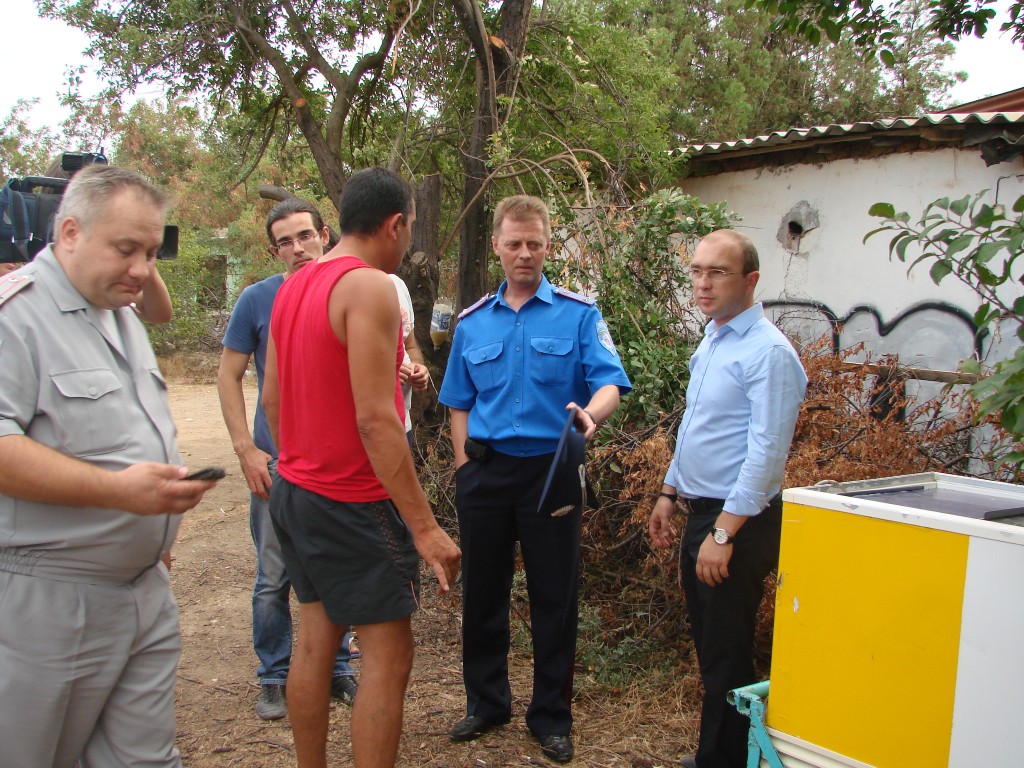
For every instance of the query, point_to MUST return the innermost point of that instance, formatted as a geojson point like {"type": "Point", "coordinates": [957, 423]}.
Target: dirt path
{"type": "Point", "coordinates": [214, 567]}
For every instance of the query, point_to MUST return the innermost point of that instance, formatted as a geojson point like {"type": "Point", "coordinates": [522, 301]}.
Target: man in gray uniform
{"type": "Point", "coordinates": [90, 495]}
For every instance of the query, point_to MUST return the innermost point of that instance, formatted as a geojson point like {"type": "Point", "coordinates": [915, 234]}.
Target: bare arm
{"type": "Point", "coordinates": [252, 460]}
{"type": "Point", "coordinates": [35, 472]}
{"type": "Point", "coordinates": [271, 398]}
{"type": "Point", "coordinates": [460, 431]}
{"type": "Point", "coordinates": [413, 348]}
{"type": "Point", "coordinates": [153, 302]}
{"type": "Point", "coordinates": [363, 310]}
{"type": "Point", "coordinates": [418, 374]}
{"type": "Point", "coordinates": [601, 406]}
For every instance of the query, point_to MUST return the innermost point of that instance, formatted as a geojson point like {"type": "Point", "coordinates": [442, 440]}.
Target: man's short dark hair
{"type": "Point", "coordinates": [370, 197]}
{"type": "Point", "coordinates": [743, 244]}
{"type": "Point", "coordinates": [290, 207]}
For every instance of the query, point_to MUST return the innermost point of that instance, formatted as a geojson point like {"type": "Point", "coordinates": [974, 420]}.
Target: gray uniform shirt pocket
{"type": "Point", "coordinates": [91, 417]}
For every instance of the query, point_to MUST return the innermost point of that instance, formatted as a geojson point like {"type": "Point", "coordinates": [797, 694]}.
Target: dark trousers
{"type": "Point", "coordinates": [723, 619]}
{"type": "Point", "coordinates": [496, 502]}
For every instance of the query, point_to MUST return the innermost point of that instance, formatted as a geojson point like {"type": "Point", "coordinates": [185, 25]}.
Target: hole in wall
{"type": "Point", "coordinates": [798, 221]}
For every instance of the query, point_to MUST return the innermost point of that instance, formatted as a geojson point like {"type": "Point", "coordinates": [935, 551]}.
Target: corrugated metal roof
{"type": "Point", "coordinates": [854, 130]}
{"type": "Point", "coordinates": [1008, 101]}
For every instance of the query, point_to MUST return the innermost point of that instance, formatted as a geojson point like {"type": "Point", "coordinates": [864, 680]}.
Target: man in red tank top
{"type": "Point", "coordinates": [349, 510]}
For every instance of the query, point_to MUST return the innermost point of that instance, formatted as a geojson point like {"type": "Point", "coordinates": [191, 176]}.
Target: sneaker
{"type": "Point", "coordinates": [271, 704]}
{"type": "Point", "coordinates": [344, 689]}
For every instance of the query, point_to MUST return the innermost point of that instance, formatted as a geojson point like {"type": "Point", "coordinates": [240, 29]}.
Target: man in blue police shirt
{"type": "Point", "coordinates": [520, 359]}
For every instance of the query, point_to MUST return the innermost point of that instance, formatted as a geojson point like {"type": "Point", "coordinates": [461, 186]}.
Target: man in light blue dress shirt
{"type": "Point", "coordinates": [746, 386]}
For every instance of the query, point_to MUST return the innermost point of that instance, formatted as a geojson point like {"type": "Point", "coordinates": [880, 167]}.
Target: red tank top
{"type": "Point", "coordinates": [320, 447]}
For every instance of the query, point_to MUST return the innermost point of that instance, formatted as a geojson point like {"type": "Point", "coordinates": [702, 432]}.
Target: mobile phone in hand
{"type": "Point", "coordinates": [206, 473]}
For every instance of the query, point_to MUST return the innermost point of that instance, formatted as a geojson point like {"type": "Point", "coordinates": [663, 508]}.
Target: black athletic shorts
{"type": "Point", "coordinates": [357, 558]}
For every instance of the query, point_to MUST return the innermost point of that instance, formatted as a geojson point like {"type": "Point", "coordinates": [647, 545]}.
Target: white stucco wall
{"type": "Point", "coordinates": [835, 268]}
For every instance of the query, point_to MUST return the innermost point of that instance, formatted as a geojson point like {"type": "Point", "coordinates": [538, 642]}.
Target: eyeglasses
{"type": "Point", "coordinates": [304, 239]}
{"type": "Point", "coordinates": [714, 275]}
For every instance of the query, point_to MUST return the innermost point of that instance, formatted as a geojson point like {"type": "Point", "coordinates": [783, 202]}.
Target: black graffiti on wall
{"type": "Point", "coordinates": [960, 317]}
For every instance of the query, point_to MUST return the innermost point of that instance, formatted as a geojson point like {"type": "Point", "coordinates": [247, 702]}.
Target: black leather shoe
{"type": "Point", "coordinates": [558, 748]}
{"type": "Point", "coordinates": [471, 727]}
{"type": "Point", "coordinates": [344, 688]}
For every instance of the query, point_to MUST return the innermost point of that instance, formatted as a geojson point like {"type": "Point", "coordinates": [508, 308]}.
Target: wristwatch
{"type": "Point", "coordinates": [721, 536]}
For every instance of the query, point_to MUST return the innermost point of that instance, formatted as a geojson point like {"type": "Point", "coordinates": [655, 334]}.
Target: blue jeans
{"type": "Point", "coordinates": [271, 614]}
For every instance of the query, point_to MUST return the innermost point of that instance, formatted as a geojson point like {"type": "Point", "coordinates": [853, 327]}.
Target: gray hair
{"type": "Point", "coordinates": [92, 188]}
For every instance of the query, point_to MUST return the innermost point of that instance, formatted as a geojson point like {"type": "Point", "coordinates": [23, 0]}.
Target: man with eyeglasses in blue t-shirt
{"type": "Point", "coordinates": [297, 235]}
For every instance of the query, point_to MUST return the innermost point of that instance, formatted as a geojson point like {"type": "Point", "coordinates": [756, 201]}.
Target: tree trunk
{"type": "Point", "coordinates": [497, 69]}
{"type": "Point", "coordinates": [420, 271]}
{"type": "Point", "coordinates": [421, 274]}
{"type": "Point", "coordinates": [474, 250]}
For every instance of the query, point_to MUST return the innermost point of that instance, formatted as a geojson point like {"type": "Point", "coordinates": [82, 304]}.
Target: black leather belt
{"type": "Point", "coordinates": [702, 505]}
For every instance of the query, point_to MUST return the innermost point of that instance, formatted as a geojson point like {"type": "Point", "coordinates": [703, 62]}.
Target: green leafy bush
{"type": "Point", "coordinates": [631, 260]}
{"type": "Point", "coordinates": [979, 244]}
{"type": "Point", "coordinates": [195, 281]}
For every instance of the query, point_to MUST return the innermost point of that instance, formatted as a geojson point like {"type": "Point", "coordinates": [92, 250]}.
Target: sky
{"type": "Point", "coordinates": [41, 50]}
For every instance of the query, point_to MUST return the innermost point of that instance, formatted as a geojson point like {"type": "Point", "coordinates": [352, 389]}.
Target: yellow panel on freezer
{"type": "Point", "coordinates": [867, 633]}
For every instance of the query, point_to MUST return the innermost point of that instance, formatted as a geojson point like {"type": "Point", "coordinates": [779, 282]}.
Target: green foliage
{"type": "Point", "coordinates": [630, 259]}
{"type": "Point", "coordinates": [24, 151]}
{"type": "Point", "coordinates": [873, 25]}
{"type": "Point", "coordinates": [611, 649]}
{"type": "Point", "coordinates": [741, 76]}
{"type": "Point", "coordinates": [1002, 393]}
{"type": "Point", "coordinates": [196, 289]}
{"type": "Point", "coordinates": [980, 244]}
{"type": "Point", "coordinates": [614, 652]}
{"type": "Point", "coordinates": [604, 91]}
{"type": "Point", "coordinates": [175, 146]}
{"type": "Point", "coordinates": [593, 77]}
{"type": "Point", "coordinates": [299, 94]}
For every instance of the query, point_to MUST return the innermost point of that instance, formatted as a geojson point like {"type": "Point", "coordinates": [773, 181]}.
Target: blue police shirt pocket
{"type": "Point", "coordinates": [91, 418]}
{"type": "Point", "coordinates": [486, 366]}
{"type": "Point", "coordinates": [550, 358]}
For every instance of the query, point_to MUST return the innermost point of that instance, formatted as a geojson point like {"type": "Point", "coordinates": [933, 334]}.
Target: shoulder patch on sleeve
{"type": "Point", "coordinates": [605, 337]}
{"type": "Point", "coordinates": [475, 306]}
{"type": "Point", "coordinates": [573, 295]}
{"type": "Point", "coordinates": [10, 284]}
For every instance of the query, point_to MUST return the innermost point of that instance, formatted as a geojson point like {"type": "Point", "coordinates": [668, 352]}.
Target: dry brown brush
{"type": "Point", "coordinates": [854, 424]}
{"type": "Point", "coordinates": [634, 644]}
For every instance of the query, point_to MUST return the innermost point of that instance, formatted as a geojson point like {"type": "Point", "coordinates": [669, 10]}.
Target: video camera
{"type": "Point", "coordinates": [28, 206]}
